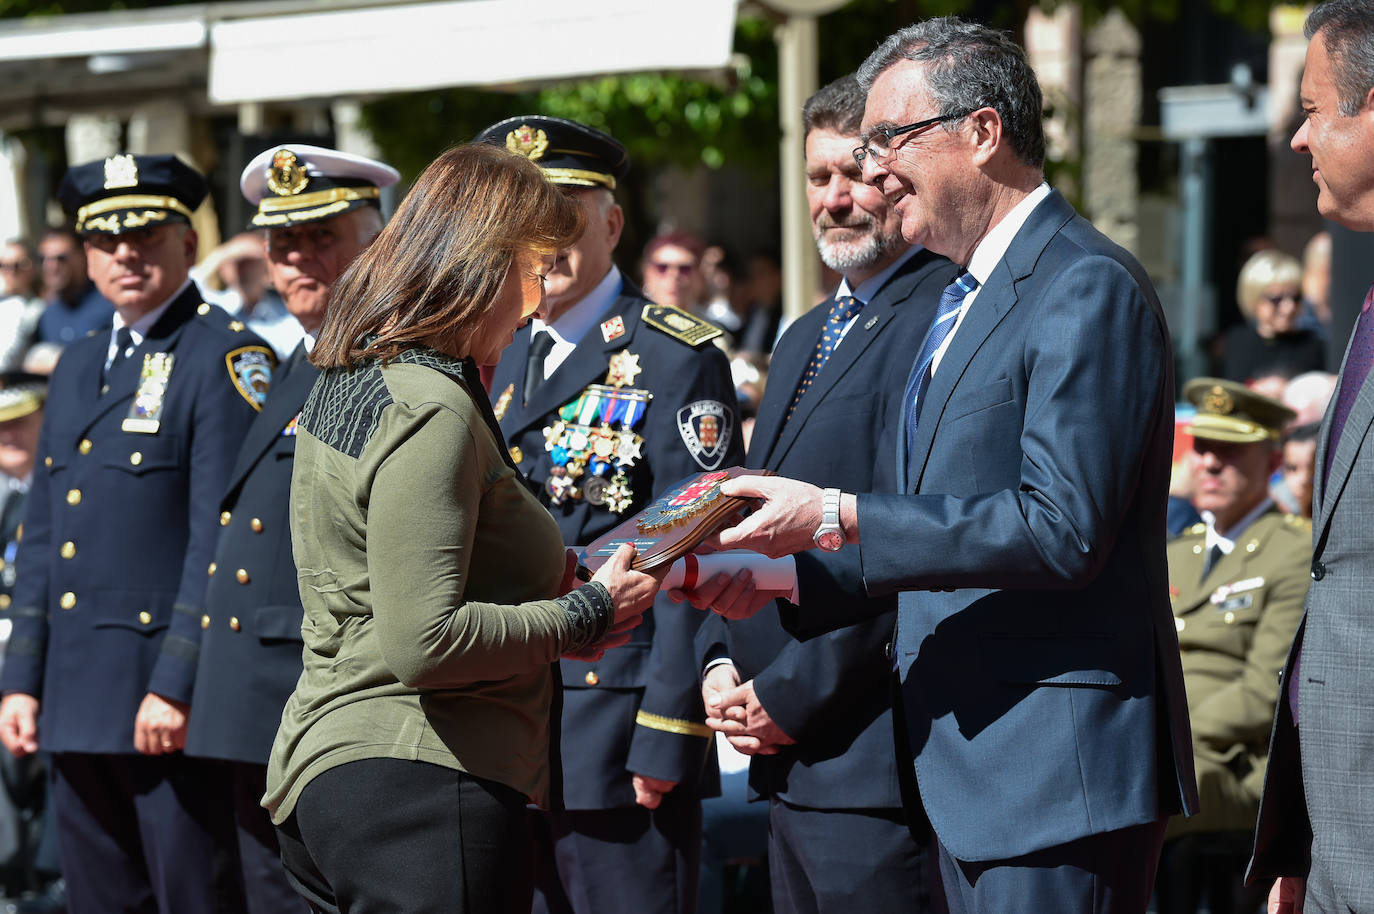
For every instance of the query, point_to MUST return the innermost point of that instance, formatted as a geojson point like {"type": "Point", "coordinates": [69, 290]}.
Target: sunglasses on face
{"type": "Point", "coordinates": [663, 269]}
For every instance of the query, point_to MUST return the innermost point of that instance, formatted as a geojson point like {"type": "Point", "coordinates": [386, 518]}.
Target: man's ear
{"type": "Point", "coordinates": [987, 134]}
{"type": "Point", "coordinates": [615, 223]}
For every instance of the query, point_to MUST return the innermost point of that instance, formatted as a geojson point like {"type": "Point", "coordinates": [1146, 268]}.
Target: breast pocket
{"type": "Point", "coordinates": [985, 396]}
{"type": "Point", "coordinates": [138, 455]}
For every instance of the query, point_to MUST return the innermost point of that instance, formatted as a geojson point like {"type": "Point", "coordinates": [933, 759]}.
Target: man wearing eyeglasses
{"type": "Point", "coordinates": [75, 306]}
{"type": "Point", "coordinates": [1043, 701]}
{"type": "Point", "coordinates": [137, 442]}
{"type": "Point", "coordinates": [318, 210]}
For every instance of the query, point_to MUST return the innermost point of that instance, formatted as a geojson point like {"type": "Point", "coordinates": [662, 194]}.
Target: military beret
{"type": "Point", "coordinates": [301, 183]}
{"type": "Point", "coordinates": [570, 153]}
{"type": "Point", "coordinates": [21, 394]}
{"type": "Point", "coordinates": [128, 192]}
{"type": "Point", "coordinates": [1228, 411]}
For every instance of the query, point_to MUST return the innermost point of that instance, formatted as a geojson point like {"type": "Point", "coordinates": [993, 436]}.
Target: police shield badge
{"type": "Point", "coordinates": [250, 368]}
{"type": "Point", "coordinates": [706, 427]}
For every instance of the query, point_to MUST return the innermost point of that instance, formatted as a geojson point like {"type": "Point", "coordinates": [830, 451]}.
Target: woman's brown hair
{"type": "Point", "coordinates": [437, 268]}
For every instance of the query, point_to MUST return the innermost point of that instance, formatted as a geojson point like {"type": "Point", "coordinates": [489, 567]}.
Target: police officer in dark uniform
{"type": "Point", "coordinates": [607, 404]}
{"type": "Point", "coordinates": [320, 209]}
{"type": "Point", "coordinates": [137, 443]}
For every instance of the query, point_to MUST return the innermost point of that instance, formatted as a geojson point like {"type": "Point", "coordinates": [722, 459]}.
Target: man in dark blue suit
{"type": "Point", "coordinates": [817, 715]}
{"type": "Point", "coordinates": [604, 406]}
{"type": "Point", "coordinates": [319, 209]}
{"type": "Point", "coordinates": [139, 436]}
{"type": "Point", "coordinates": [1042, 691]}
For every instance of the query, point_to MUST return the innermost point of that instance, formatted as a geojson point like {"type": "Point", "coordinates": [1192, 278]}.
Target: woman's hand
{"type": "Point", "coordinates": [632, 592]}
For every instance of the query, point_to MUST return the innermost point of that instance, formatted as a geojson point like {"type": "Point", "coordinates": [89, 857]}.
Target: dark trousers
{"type": "Point", "coordinates": [1110, 873]}
{"type": "Point", "coordinates": [632, 860]}
{"type": "Point", "coordinates": [265, 886]}
{"type": "Point", "coordinates": [137, 833]}
{"type": "Point", "coordinates": [387, 835]}
{"type": "Point", "coordinates": [837, 861]}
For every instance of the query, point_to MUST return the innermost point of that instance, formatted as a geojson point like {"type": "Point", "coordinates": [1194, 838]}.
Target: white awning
{"type": "Point", "coordinates": [461, 43]}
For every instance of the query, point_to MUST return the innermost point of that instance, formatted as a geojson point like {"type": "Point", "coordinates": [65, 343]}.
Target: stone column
{"type": "Point", "coordinates": [1112, 110]}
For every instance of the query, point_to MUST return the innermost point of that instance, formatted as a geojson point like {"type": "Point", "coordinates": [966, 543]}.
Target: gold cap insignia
{"type": "Point", "coordinates": [528, 142]}
{"type": "Point", "coordinates": [1218, 402]}
{"type": "Point", "coordinates": [121, 171]}
{"type": "Point", "coordinates": [286, 176]}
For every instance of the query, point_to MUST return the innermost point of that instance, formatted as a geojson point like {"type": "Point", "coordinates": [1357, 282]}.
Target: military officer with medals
{"type": "Point", "coordinates": [604, 405]}
{"type": "Point", "coordinates": [318, 209]}
{"type": "Point", "coordinates": [135, 450]}
{"type": "Point", "coordinates": [1237, 583]}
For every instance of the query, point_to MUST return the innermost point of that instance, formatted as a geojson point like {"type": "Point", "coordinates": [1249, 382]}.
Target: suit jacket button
{"type": "Point", "coordinates": [136, 458]}
{"type": "Point", "coordinates": [85, 446]}
{"type": "Point", "coordinates": [68, 600]}
{"type": "Point", "coordinates": [73, 497]}
{"type": "Point", "coordinates": [68, 549]}
{"type": "Point", "coordinates": [592, 678]}
{"type": "Point", "coordinates": [887, 650]}
{"type": "Point", "coordinates": [224, 519]}
{"type": "Point", "coordinates": [256, 524]}
{"type": "Point", "coordinates": [213, 566]}
{"type": "Point", "coordinates": [205, 621]}
{"type": "Point", "coordinates": [242, 575]}
{"type": "Point", "coordinates": [1318, 571]}
{"type": "Point", "coordinates": [234, 623]}
{"type": "Point", "coordinates": [145, 617]}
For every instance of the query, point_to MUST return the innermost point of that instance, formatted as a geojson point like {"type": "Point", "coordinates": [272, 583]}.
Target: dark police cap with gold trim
{"type": "Point", "coordinates": [1227, 411]}
{"type": "Point", "coordinates": [570, 153]}
{"type": "Point", "coordinates": [301, 183]}
{"type": "Point", "coordinates": [126, 192]}
{"type": "Point", "coordinates": [21, 394]}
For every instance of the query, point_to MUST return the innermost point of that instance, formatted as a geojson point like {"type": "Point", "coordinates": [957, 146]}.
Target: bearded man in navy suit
{"type": "Point", "coordinates": [1040, 680]}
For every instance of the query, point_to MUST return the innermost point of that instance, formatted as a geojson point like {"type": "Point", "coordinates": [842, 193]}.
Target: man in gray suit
{"type": "Point", "coordinates": [1314, 823]}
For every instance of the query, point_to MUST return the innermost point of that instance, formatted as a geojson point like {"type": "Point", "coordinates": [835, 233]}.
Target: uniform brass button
{"type": "Point", "coordinates": [136, 458]}
{"type": "Point", "coordinates": [1252, 546]}
{"type": "Point", "coordinates": [145, 617]}
{"type": "Point", "coordinates": [85, 446]}
{"type": "Point", "coordinates": [203, 310]}
{"type": "Point", "coordinates": [205, 621]}
{"type": "Point", "coordinates": [236, 326]}
{"type": "Point", "coordinates": [1178, 624]}
{"type": "Point", "coordinates": [256, 524]}
{"type": "Point", "coordinates": [592, 678]}
{"type": "Point", "coordinates": [1229, 617]}
{"type": "Point", "coordinates": [47, 461]}
{"type": "Point", "coordinates": [224, 519]}
{"type": "Point", "coordinates": [516, 454]}
{"type": "Point", "coordinates": [242, 575]}
{"type": "Point", "coordinates": [1197, 550]}
{"type": "Point", "coordinates": [234, 623]}
{"type": "Point", "coordinates": [68, 549]}
{"type": "Point", "coordinates": [68, 600]}
{"type": "Point", "coordinates": [73, 496]}
{"type": "Point", "coordinates": [213, 566]}
{"type": "Point", "coordinates": [4, 601]}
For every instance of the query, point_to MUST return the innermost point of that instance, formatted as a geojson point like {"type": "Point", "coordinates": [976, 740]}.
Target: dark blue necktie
{"type": "Point", "coordinates": [940, 329]}
{"type": "Point", "coordinates": [842, 310]}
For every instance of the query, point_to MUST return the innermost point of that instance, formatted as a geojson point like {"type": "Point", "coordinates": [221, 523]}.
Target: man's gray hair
{"type": "Point", "coordinates": [970, 66]}
{"type": "Point", "coordinates": [1347, 29]}
{"type": "Point", "coordinates": [837, 106]}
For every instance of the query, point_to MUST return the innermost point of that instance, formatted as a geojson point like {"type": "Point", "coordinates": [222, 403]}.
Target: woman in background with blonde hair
{"type": "Point", "coordinates": [1270, 342]}
{"type": "Point", "coordinates": [435, 586]}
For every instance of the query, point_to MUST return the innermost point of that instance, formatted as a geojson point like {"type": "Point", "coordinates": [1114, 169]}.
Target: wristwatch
{"type": "Point", "coordinates": [830, 535]}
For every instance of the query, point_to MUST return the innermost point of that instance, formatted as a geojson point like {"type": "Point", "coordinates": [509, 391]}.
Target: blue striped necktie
{"type": "Point", "coordinates": [842, 310]}
{"type": "Point", "coordinates": [940, 329]}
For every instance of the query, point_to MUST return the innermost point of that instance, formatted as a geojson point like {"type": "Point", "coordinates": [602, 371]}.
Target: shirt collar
{"type": "Point", "coordinates": [994, 245]}
{"type": "Point", "coordinates": [139, 328]}
{"type": "Point", "coordinates": [578, 320]}
{"type": "Point", "coordinates": [1227, 541]}
{"type": "Point", "coordinates": [865, 290]}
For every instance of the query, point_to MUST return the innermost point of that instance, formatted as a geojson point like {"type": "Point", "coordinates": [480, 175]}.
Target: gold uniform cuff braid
{"type": "Point", "coordinates": [590, 614]}
{"type": "Point", "coordinates": [672, 725]}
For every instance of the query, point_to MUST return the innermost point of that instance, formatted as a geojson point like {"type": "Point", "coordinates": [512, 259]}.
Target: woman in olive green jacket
{"type": "Point", "coordinates": [435, 586]}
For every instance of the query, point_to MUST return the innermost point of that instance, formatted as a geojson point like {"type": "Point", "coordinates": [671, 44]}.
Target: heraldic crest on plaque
{"type": "Point", "coordinates": [676, 522]}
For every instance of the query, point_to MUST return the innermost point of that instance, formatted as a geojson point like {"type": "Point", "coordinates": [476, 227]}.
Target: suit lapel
{"type": "Point", "coordinates": [124, 380]}
{"type": "Point", "coordinates": [1321, 508]}
{"type": "Point", "coordinates": [284, 401]}
{"type": "Point", "coordinates": [784, 375]}
{"type": "Point", "coordinates": [994, 301]}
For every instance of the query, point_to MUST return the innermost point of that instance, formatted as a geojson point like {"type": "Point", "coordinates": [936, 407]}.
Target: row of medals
{"type": "Point", "coordinates": [593, 442]}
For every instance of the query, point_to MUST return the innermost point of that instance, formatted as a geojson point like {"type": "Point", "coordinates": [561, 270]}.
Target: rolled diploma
{"type": "Point", "coordinates": [769, 574]}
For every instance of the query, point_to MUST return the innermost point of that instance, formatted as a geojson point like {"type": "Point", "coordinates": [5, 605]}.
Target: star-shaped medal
{"type": "Point", "coordinates": [624, 368]}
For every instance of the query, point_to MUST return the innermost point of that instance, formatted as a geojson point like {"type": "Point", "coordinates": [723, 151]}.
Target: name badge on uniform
{"type": "Point", "coordinates": [1225, 590]}
{"type": "Point", "coordinates": [145, 415]}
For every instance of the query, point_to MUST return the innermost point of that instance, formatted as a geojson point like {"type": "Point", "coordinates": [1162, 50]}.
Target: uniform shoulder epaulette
{"type": "Point", "coordinates": [681, 326]}
{"type": "Point", "coordinates": [1299, 523]}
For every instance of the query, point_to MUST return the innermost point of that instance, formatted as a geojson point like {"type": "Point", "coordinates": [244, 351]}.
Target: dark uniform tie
{"type": "Point", "coordinates": [842, 311]}
{"type": "Point", "coordinates": [124, 338]}
{"type": "Point", "coordinates": [1213, 556]}
{"type": "Point", "coordinates": [940, 329]}
{"type": "Point", "coordinates": [540, 347]}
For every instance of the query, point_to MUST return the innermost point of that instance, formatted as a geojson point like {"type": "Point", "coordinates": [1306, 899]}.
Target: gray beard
{"type": "Point", "coordinates": [844, 257]}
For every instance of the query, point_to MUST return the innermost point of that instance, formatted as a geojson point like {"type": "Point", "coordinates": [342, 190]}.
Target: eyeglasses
{"type": "Point", "coordinates": [879, 144]}
{"type": "Point", "coordinates": [14, 266]}
{"type": "Point", "coordinates": [682, 269]}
